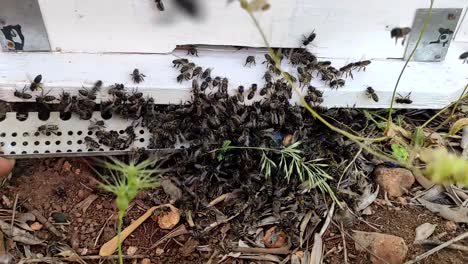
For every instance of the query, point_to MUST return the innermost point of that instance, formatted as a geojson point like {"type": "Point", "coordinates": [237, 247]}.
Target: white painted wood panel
{"type": "Point", "coordinates": [433, 85]}
{"type": "Point", "coordinates": [346, 29]}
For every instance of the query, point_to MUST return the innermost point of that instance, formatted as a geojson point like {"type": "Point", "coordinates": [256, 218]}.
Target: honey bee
{"type": "Point", "coordinates": [36, 83]}
{"type": "Point", "coordinates": [337, 83]}
{"type": "Point", "coordinates": [206, 73]}
{"type": "Point", "coordinates": [183, 76]}
{"type": "Point", "coordinates": [240, 94]}
{"type": "Point", "coordinates": [204, 85]}
{"type": "Point", "coordinates": [307, 40]}
{"type": "Point", "coordinates": [464, 57]}
{"type": "Point", "coordinates": [274, 69]}
{"type": "Point", "coordinates": [22, 94]}
{"type": "Point", "coordinates": [290, 77]}
{"type": "Point", "coordinates": [371, 94]}
{"type": "Point", "coordinates": [159, 5]}
{"type": "Point", "coordinates": [398, 33]}
{"type": "Point", "coordinates": [252, 91]}
{"type": "Point", "coordinates": [216, 81]}
{"type": "Point", "coordinates": [269, 60]}
{"type": "Point", "coordinates": [197, 71]}
{"type": "Point", "coordinates": [362, 64]}
{"type": "Point", "coordinates": [224, 85]}
{"type": "Point", "coordinates": [403, 99]}
{"type": "Point", "coordinates": [96, 125]}
{"type": "Point", "coordinates": [137, 77]}
{"type": "Point", "coordinates": [91, 143]}
{"type": "Point", "coordinates": [267, 76]}
{"type": "Point", "coordinates": [48, 129]}
{"type": "Point", "coordinates": [250, 61]}
{"type": "Point", "coordinates": [192, 51]}
{"type": "Point", "coordinates": [179, 62]}
{"type": "Point", "coordinates": [324, 63]}
{"type": "Point", "coordinates": [42, 99]}
{"type": "Point", "coordinates": [347, 70]}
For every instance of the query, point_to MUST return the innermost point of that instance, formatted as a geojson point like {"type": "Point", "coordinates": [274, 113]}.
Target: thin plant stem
{"type": "Point", "coordinates": [423, 30]}
{"type": "Point", "coordinates": [456, 103]}
{"type": "Point", "coordinates": [119, 236]}
{"type": "Point", "coordinates": [303, 102]}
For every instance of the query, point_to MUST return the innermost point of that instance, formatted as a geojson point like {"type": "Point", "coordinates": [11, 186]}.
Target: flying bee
{"type": "Point", "coordinates": [307, 40]}
{"type": "Point", "coordinates": [362, 64]}
{"type": "Point", "coordinates": [137, 76]}
{"type": "Point", "coordinates": [179, 62]}
{"type": "Point", "coordinates": [183, 76]}
{"type": "Point", "coordinates": [206, 73]}
{"type": "Point", "coordinates": [97, 86]}
{"type": "Point", "coordinates": [269, 60]}
{"type": "Point", "coordinates": [216, 81]}
{"type": "Point", "coordinates": [337, 83]}
{"type": "Point", "coordinates": [22, 94]}
{"type": "Point", "coordinates": [159, 5]}
{"type": "Point", "coordinates": [464, 57]}
{"type": "Point", "coordinates": [197, 71]}
{"type": "Point", "coordinates": [192, 51]}
{"type": "Point", "coordinates": [48, 129]}
{"type": "Point", "coordinates": [371, 94]}
{"type": "Point", "coordinates": [96, 125]}
{"type": "Point", "coordinates": [91, 143]}
{"type": "Point", "coordinates": [250, 61]}
{"type": "Point", "coordinates": [403, 99]}
{"type": "Point", "coordinates": [36, 83]}
{"type": "Point", "coordinates": [398, 33]}
{"type": "Point", "coordinates": [252, 91]}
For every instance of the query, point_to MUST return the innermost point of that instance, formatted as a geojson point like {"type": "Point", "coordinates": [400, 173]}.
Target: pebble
{"type": "Point", "coordinates": [451, 226]}
{"type": "Point", "coordinates": [145, 261]}
{"type": "Point", "coordinates": [79, 220]}
{"type": "Point", "coordinates": [99, 206]}
{"type": "Point", "coordinates": [77, 171]}
{"type": "Point", "coordinates": [77, 215]}
{"type": "Point", "coordinates": [57, 207]}
{"type": "Point", "coordinates": [390, 248]}
{"type": "Point", "coordinates": [36, 226]}
{"type": "Point", "coordinates": [159, 251]}
{"type": "Point", "coordinates": [394, 181]}
{"type": "Point", "coordinates": [64, 208]}
{"type": "Point", "coordinates": [81, 194]}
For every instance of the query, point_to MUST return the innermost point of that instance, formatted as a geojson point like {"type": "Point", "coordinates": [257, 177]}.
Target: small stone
{"type": "Point", "coordinates": [99, 206]}
{"type": "Point", "coordinates": [168, 219]}
{"type": "Point", "coordinates": [66, 167]}
{"type": "Point", "coordinates": [77, 215]}
{"type": "Point", "coordinates": [402, 201]}
{"type": "Point", "coordinates": [77, 171]}
{"type": "Point", "coordinates": [275, 238]}
{"type": "Point", "coordinates": [81, 194]}
{"type": "Point", "coordinates": [390, 248]}
{"type": "Point", "coordinates": [287, 140]}
{"type": "Point", "coordinates": [64, 208]}
{"type": "Point", "coordinates": [300, 254]}
{"type": "Point", "coordinates": [57, 207]}
{"type": "Point", "coordinates": [450, 226]}
{"type": "Point", "coordinates": [394, 181]}
{"type": "Point", "coordinates": [145, 261]}
{"type": "Point", "coordinates": [6, 202]}
{"type": "Point", "coordinates": [75, 241]}
{"type": "Point", "coordinates": [131, 250]}
{"type": "Point", "coordinates": [79, 220]}
{"type": "Point", "coordinates": [159, 251]}
{"type": "Point", "coordinates": [36, 226]}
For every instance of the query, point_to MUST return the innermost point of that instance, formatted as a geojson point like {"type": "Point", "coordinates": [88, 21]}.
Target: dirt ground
{"type": "Point", "coordinates": [55, 187]}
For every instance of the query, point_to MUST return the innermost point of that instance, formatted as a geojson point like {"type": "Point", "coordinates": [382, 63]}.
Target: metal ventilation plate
{"type": "Point", "coordinates": [19, 136]}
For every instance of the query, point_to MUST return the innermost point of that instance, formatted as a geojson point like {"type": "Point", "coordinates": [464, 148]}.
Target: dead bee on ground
{"type": "Point", "coordinates": [179, 62]}
{"type": "Point", "coordinates": [403, 99]}
{"type": "Point", "coordinates": [36, 83]}
{"type": "Point", "coordinates": [464, 57]}
{"type": "Point", "coordinates": [371, 94]}
{"type": "Point", "coordinates": [96, 125]}
{"type": "Point", "coordinates": [252, 91]}
{"type": "Point", "coordinates": [206, 73]}
{"type": "Point", "coordinates": [250, 61]}
{"type": "Point", "coordinates": [337, 83]}
{"type": "Point", "coordinates": [48, 129]}
{"type": "Point", "coordinates": [307, 40]}
{"type": "Point", "coordinates": [159, 5]}
{"type": "Point", "coordinates": [362, 64]}
{"type": "Point", "coordinates": [398, 33]}
{"type": "Point", "coordinates": [192, 51]}
{"type": "Point", "coordinates": [197, 71]}
{"type": "Point", "coordinates": [91, 143]}
{"type": "Point", "coordinates": [184, 76]}
{"type": "Point", "coordinates": [22, 94]}
{"type": "Point", "coordinates": [137, 76]}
